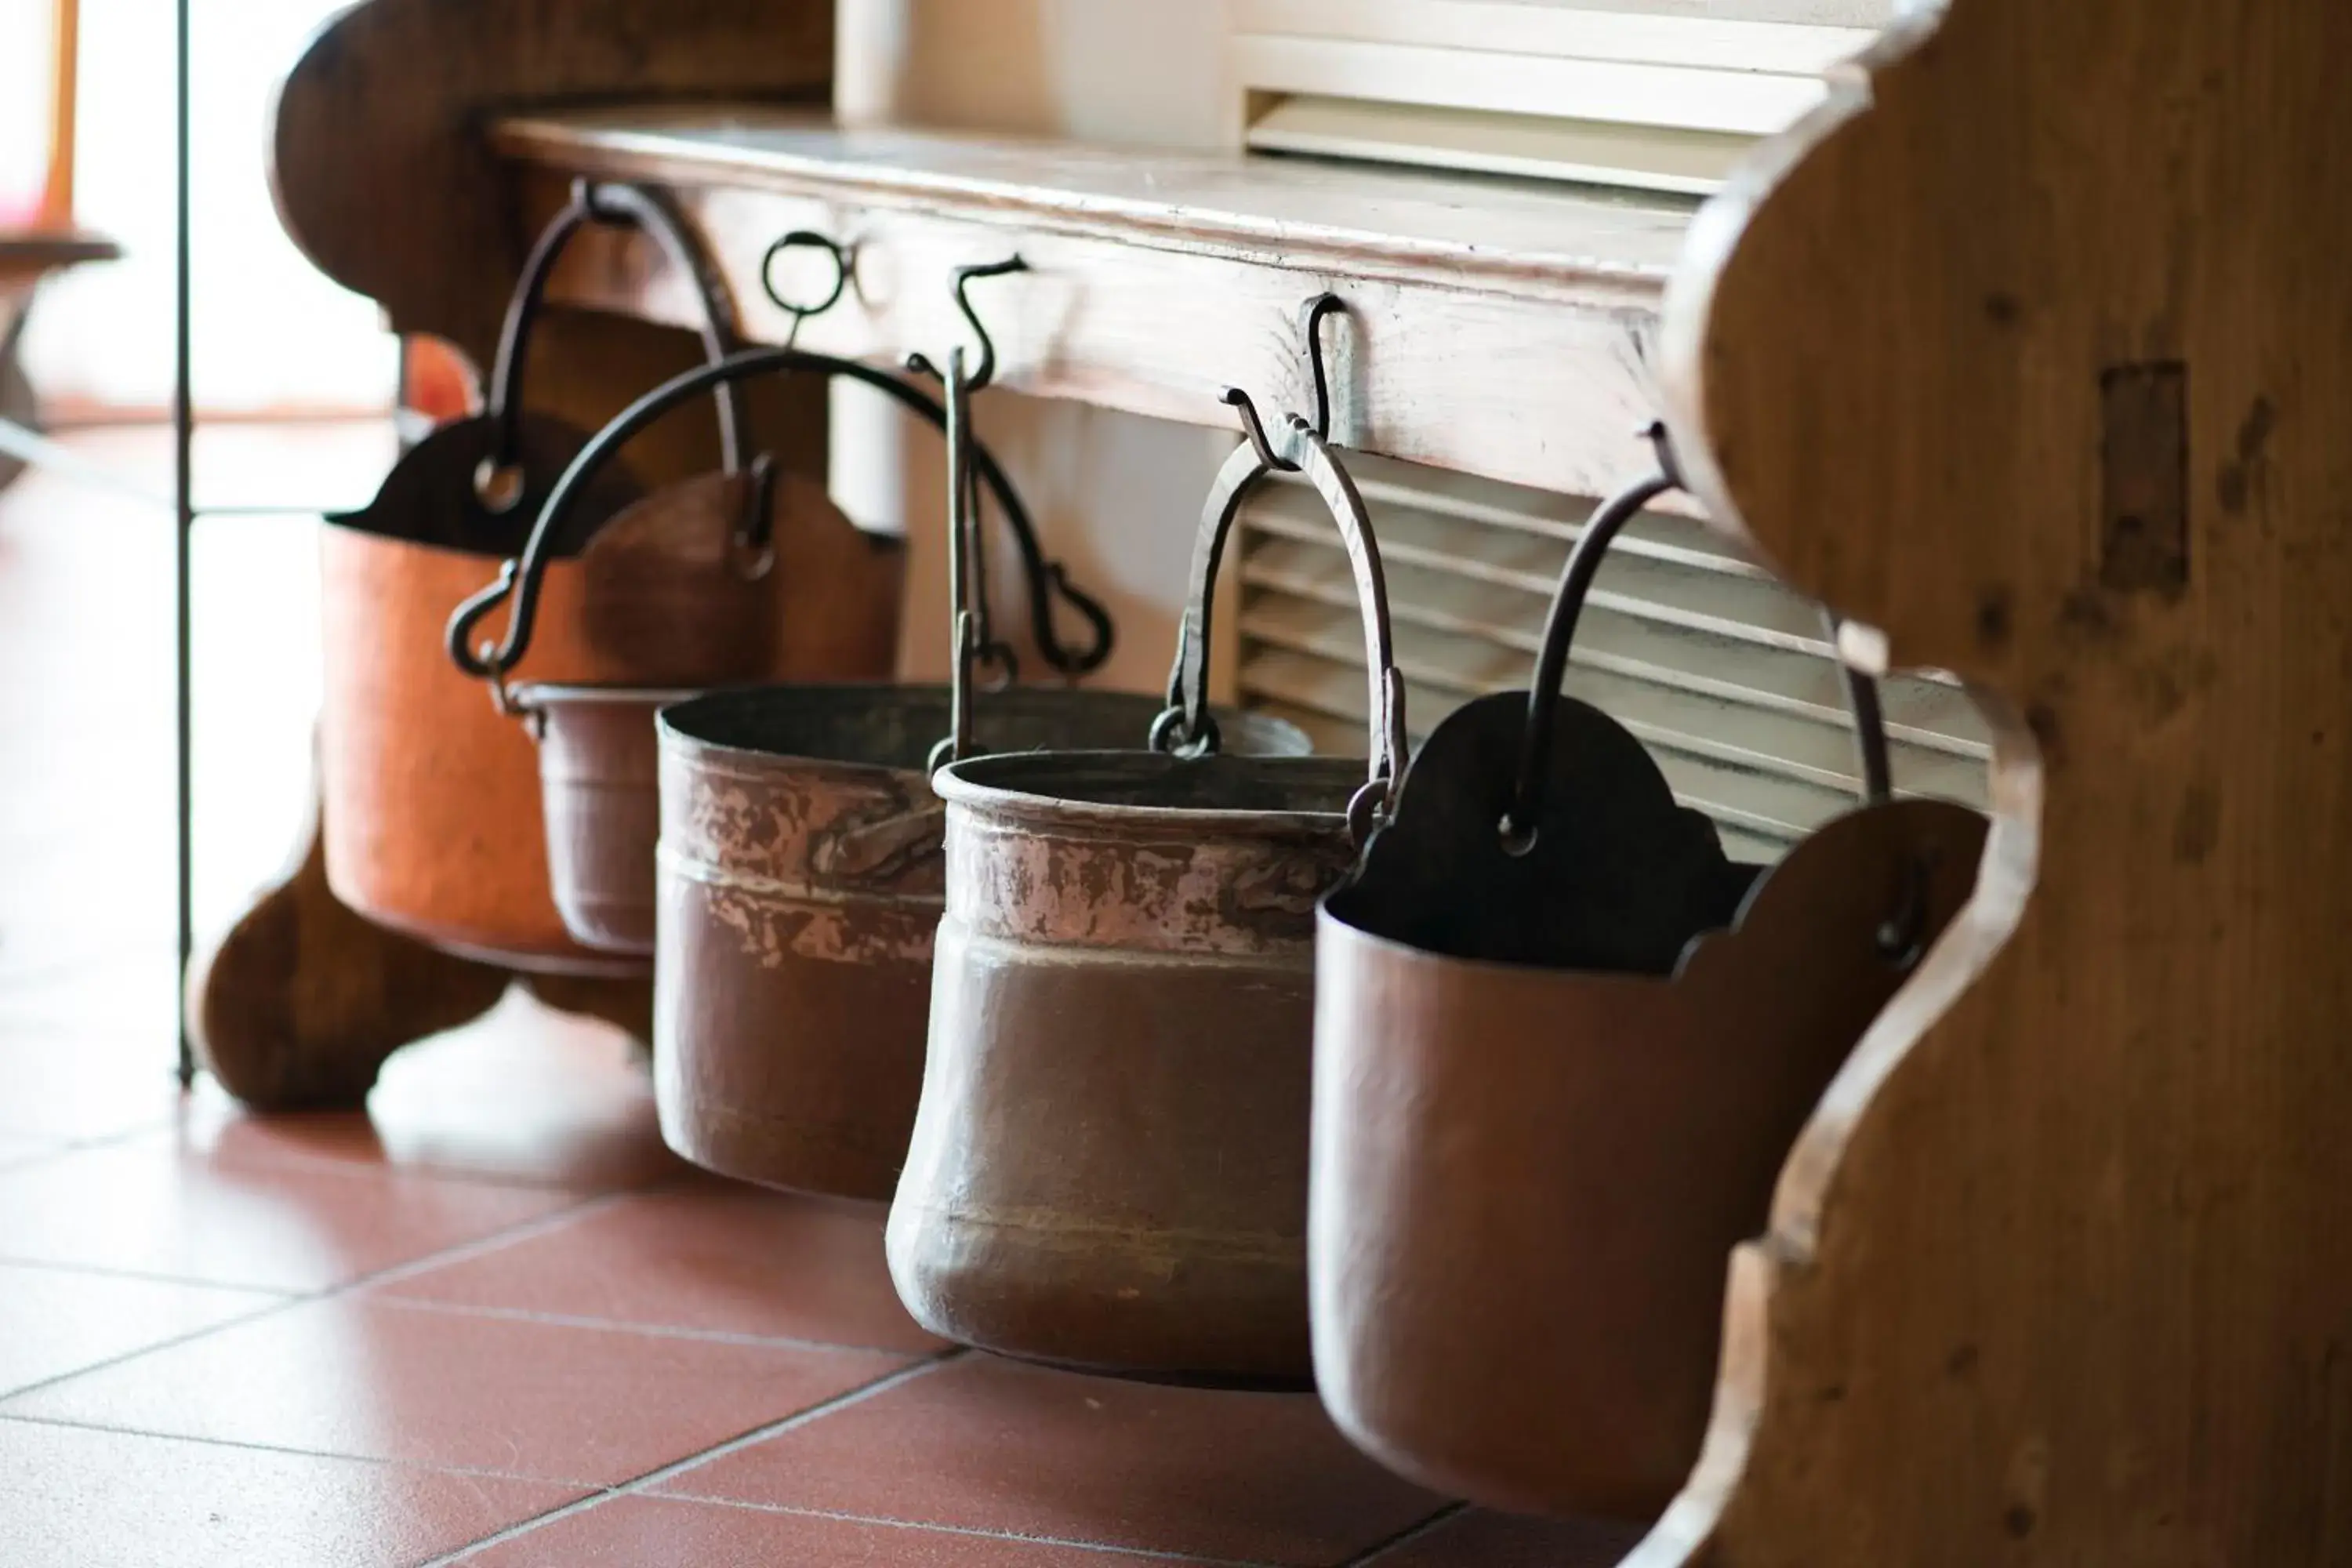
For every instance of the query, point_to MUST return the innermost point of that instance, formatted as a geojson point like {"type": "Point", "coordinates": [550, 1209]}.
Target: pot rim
{"type": "Point", "coordinates": [954, 786]}
{"type": "Point", "coordinates": [549, 694]}
{"type": "Point", "coordinates": [676, 740]}
{"type": "Point", "coordinates": [702, 752]}
{"type": "Point", "coordinates": [1398, 951]}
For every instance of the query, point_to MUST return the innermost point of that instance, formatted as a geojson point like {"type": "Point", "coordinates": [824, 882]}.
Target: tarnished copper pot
{"type": "Point", "coordinates": [799, 887]}
{"type": "Point", "coordinates": [431, 799]}
{"type": "Point", "coordinates": [1109, 1165]}
{"type": "Point", "coordinates": [835, 609]}
{"type": "Point", "coordinates": [1562, 1047]}
{"type": "Point", "coordinates": [598, 779]}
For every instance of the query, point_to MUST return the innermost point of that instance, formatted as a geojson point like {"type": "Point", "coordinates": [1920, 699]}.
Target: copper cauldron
{"type": "Point", "coordinates": [1562, 1045]}
{"type": "Point", "coordinates": [432, 799]}
{"type": "Point", "coordinates": [1108, 1168]}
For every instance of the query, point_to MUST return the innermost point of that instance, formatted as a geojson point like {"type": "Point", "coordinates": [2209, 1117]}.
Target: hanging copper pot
{"type": "Point", "coordinates": [1562, 1045]}
{"type": "Point", "coordinates": [431, 798]}
{"type": "Point", "coordinates": [1108, 1163]}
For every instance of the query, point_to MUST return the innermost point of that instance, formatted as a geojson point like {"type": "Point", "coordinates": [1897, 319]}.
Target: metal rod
{"type": "Point", "coordinates": [184, 498]}
{"type": "Point", "coordinates": [960, 547]}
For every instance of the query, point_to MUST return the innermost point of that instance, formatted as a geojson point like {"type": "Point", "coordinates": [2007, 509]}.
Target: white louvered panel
{"type": "Point", "coordinates": [1777, 808]}
{"type": "Point", "coordinates": [1645, 158]}
{"type": "Point", "coordinates": [1918, 712]}
{"type": "Point", "coordinates": [1750, 608]}
{"type": "Point", "coordinates": [1745, 103]}
{"type": "Point", "coordinates": [1458, 666]}
{"type": "Point", "coordinates": [1722, 673]}
{"type": "Point", "coordinates": [1588, 94]}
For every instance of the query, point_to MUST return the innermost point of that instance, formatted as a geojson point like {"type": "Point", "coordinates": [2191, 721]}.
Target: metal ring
{"type": "Point", "coordinates": [804, 239]}
{"type": "Point", "coordinates": [1171, 736]}
{"type": "Point", "coordinates": [1366, 809]}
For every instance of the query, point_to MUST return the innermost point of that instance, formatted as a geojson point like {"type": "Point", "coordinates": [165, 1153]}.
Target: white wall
{"type": "Point", "coordinates": [1116, 496]}
{"type": "Point", "coordinates": [269, 330]}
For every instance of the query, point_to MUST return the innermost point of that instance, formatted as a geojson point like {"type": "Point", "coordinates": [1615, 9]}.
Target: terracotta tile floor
{"type": "Point", "coordinates": [492, 1321]}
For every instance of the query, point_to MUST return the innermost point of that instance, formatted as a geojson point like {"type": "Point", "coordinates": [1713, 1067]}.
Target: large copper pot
{"type": "Point", "coordinates": [432, 799]}
{"type": "Point", "coordinates": [1108, 1168]}
{"type": "Point", "coordinates": [1562, 1045]}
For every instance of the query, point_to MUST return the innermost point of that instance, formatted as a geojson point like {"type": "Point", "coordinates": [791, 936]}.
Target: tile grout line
{"type": "Point", "coordinates": [417, 1466]}
{"type": "Point", "coordinates": [467, 1251]}
{"type": "Point", "coordinates": [147, 1277]}
{"type": "Point", "coordinates": [974, 1531]}
{"type": "Point", "coordinates": [287, 1300]}
{"type": "Point", "coordinates": [1411, 1532]}
{"type": "Point", "coordinates": [12, 1396]}
{"type": "Point", "coordinates": [741, 1440]}
{"type": "Point", "coordinates": [651, 1331]}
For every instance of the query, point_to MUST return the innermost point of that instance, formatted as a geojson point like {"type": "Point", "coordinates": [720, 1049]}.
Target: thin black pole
{"type": "Point", "coordinates": [184, 493]}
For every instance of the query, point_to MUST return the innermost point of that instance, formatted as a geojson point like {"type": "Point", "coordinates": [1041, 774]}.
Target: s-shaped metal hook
{"type": "Point", "coordinates": [985, 372]}
{"type": "Point", "coordinates": [1312, 315]}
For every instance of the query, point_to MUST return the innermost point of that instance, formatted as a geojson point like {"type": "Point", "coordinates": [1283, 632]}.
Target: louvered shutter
{"type": "Point", "coordinates": [1725, 675]}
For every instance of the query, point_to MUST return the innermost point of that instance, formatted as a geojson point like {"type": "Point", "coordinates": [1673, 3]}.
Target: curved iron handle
{"type": "Point", "coordinates": [617, 204]}
{"type": "Point", "coordinates": [521, 579]}
{"type": "Point", "coordinates": [1186, 725]}
{"type": "Point", "coordinates": [1576, 580]}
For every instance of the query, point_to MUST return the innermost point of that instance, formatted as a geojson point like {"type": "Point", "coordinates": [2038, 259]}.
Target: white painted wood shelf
{"type": "Point", "coordinates": [1495, 326]}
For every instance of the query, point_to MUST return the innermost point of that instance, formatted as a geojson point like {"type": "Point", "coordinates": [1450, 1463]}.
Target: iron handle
{"type": "Point", "coordinates": [1045, 579]}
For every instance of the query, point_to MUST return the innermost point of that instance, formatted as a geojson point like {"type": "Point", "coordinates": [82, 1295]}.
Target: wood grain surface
{"type": "Point", "coordinates": [2061, 1270]}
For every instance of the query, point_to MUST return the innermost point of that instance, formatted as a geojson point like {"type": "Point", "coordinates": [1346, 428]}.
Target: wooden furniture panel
{"type": "Point", "coordinates": [381, 171]}
{"type": "Point", "coordinates": [1491, 327]}
{"type": "Point", "coordinates": [2035, 351]}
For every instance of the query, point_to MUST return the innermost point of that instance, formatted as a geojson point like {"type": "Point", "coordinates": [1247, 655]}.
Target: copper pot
{"type": "Point", "coordinates": [799, 887]}
{"type": "Point", "coordinates": [431, 798]}
{"type": "Point", "coordinates": [1109, 1167]}
{"type": "Point", "coordinates": [1562, 1045]}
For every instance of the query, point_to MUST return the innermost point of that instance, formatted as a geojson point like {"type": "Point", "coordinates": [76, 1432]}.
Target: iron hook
{"type": "Point", "coordinates": [1322, 305]}
{"type": "Point", "coordinates": [1312, 315]}
{"type": "Point", "coordinates": [986, 371]}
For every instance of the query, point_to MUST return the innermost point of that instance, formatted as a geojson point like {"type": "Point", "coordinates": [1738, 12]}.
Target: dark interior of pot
{"type": "Point", "coordinates": [896, 726]}
{"type": "Point", "coordinates": [1150, 781]}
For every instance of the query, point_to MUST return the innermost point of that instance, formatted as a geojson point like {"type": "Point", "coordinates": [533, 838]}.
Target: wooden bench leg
{"type": "Point", "coordinates": [298, 1007]}
{"type": "Point", "coordinates": [301, 1003]}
